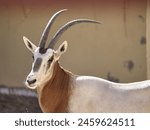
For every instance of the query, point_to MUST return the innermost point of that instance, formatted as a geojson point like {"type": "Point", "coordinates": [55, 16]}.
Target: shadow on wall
{"type": "Point", "coordinates": [15, 100]}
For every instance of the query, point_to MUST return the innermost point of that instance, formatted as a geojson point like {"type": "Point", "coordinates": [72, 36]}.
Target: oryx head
{"type": "Point", "coordinates": [45, 57]}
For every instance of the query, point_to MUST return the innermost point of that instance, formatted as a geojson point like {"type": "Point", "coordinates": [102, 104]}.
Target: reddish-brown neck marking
{"type": "Point", "coordinates": [54, 96]}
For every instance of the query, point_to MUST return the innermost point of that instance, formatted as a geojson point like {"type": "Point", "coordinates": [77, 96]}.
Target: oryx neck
{"type": "Point", "coordinates": [54, 96]}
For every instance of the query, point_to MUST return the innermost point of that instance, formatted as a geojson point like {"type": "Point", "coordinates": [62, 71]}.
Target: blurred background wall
{"type": "Point", "coordinates": [115, 50]}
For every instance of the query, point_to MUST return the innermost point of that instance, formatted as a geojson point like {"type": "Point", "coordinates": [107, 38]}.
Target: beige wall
{"type": "Point", "coordinates": [148, 38]}
{"type": "Point", "coordinates": [115, 50]}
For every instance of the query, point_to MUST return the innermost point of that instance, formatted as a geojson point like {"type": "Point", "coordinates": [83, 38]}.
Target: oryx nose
{"type": "Point", "coordinates": [31, 81]}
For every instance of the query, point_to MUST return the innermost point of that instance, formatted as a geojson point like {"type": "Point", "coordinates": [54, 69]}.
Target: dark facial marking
{"type": "Point", "coordinates": [51, 59]}
{"type": "Point", "coordinates": [37, 64]}
{"type": "Point", "coordinates": [42, 50]}
{"type": "Point", "coordinates": [49, 62]}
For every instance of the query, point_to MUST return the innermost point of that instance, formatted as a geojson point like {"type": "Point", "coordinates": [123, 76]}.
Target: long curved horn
{"type": "Point", "coordinates": [47, 28]}
{"type": "Point", "coordinates": [65, 27]}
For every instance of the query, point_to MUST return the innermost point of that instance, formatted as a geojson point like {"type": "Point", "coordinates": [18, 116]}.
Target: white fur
{"type": "Point", "coordinates": [92, 94]}
{"type": "Point", "coordinates": [26, 41]}
{"type": "Point", "coordinates": [42, 75]}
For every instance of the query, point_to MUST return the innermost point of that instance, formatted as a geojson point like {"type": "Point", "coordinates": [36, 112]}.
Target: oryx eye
{"type": "Point", "coordinates": [49, 62]}
{"type": "Point", "coordinates": [51, 59]}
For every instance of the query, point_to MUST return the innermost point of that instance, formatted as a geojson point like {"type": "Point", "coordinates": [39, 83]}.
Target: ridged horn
{"type": "Point", "coordinates": [65, 27]}
{"type": "Point", "coordinates": [45, 33]}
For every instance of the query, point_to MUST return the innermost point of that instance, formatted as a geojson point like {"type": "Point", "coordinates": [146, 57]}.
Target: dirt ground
{"type": "Point", "coordinates": [18, 100]}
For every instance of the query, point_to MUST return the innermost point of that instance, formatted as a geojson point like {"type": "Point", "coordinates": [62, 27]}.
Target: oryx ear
{"type": "Point", "coordinates": [62, 48]}
{"type": "Point", "coordinates": [29, 44]}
